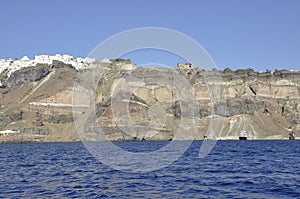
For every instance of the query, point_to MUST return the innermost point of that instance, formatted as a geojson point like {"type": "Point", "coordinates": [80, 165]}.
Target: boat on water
{"type": "Point", "coordinates": [243, 135]}
{"type": "Point", "coordinates": [291, 136]}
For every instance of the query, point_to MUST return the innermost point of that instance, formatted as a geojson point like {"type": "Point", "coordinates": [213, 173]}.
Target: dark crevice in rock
{"type": "Point", "coordinates": [252, 90]}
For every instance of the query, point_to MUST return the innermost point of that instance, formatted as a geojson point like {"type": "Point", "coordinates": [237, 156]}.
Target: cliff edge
{"type": "Point", "coordinates": [36, 102]}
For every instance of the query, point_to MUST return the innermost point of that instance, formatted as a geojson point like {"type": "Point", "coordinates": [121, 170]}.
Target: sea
{"type": "Point", "coordinates": [233, 169]}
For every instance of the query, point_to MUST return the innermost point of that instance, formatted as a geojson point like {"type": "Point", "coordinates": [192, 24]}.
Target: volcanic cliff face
{"type": "Point", "coordinates": [36, 103]}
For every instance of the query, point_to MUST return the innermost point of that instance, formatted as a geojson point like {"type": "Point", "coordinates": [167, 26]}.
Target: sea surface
{"type": "Point", "coordinates": [233, 169]}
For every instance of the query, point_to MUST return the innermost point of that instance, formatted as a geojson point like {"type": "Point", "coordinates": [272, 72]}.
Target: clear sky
{"type": "Point", "coordinates": [262, 34]}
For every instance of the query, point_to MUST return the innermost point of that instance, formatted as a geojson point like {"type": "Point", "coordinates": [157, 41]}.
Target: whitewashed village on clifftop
{"type": "Point", "coordinates": [13, 65]}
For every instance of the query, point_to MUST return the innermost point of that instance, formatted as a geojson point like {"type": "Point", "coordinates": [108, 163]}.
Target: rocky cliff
{"type": "Point", "coordinates": [36, 103]}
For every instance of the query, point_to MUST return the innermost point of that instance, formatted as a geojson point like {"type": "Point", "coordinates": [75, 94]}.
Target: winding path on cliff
{"type": "Point", "coordinates": [39, 85]}
{"type": "Point", "coordinates": [46, 79]}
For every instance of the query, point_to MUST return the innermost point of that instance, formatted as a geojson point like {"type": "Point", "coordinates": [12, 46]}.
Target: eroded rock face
{"type": "Point", "coordinates": [27, 75]}
{"type": "Point", "coordinates": [6, 119]}
{"type": "Point", "coordinates": [237, 106]}
{"type": "Point", "coordinates": [37, 103]}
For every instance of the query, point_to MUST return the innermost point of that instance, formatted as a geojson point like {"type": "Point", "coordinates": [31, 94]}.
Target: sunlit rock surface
{"type": "Point", "coordinates": [37, 100]}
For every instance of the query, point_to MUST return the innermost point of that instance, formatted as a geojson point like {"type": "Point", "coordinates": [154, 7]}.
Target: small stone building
{"type": "Point", "coordinates": [186, 69]}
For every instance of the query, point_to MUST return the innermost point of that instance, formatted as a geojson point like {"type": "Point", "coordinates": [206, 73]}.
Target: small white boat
{"type": "Point", "coordinates": [243, 135]}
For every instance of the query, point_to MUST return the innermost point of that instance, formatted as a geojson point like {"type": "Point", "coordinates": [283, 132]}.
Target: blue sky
{"type": "Point", "coordinates": [262, 34]}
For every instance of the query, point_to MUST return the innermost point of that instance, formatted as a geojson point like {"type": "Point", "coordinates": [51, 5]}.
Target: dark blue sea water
{"type": "Point", "coordinates": [233, 169]}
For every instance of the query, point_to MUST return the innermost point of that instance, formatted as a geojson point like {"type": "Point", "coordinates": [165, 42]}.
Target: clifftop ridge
{"type": "Point", "coordinates": [36, 102]}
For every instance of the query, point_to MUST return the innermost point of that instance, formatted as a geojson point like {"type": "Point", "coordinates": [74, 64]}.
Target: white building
{"type": "Point", "coordinates": [3, 66]}
{"type": "Point", "coordinates": [89, 60]}
{"type": "Point", "coordinates": [7, 132]}
{"type": "Point", "coordinates": [42, 59]}
{"type": "Point", "coordinates": [25, 58]}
